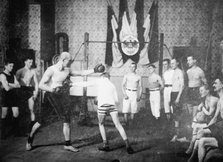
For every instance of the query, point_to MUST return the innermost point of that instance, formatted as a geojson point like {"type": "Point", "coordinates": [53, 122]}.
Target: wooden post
{"type": "Point", "coordinates": [86, 48]}
{"type": "Point", "coordinates": [161, 54]}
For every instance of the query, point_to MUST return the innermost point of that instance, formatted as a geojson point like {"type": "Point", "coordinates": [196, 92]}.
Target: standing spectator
{"type": "Point", "coordinates": [132, 90]}
{"type": "Point", "coordinates": [155, 85]}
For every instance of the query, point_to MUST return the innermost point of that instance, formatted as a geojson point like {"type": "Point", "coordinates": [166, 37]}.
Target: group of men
{"type": "Point", "coordinates": [172, 83]}
{"type": "Point", "coordinates": [53, 83]}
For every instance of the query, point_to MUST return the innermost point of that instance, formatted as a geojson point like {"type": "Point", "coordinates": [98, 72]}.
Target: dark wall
{"type": "Point", "coordinates": [47, 29]}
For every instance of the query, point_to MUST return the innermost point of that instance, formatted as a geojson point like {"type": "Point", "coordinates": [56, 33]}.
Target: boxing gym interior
{"type": "Point", "coordinates": [114, 33]}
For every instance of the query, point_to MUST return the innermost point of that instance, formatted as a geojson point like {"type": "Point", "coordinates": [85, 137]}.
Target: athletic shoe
{"type": "Point", "coordinates": [174, 139]}
{"type": "Point", "coordinates": [71, 148]}
{"type": "Point", "coordinates": [28, 146]}
{"type": "Point", "coordinates": [129, 150]}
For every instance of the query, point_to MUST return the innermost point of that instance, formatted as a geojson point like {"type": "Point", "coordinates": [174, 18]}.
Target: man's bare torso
{"type": "Point", "coordinates": [132, 81]}
{"type": "Point", "coordinates": [25, 76]}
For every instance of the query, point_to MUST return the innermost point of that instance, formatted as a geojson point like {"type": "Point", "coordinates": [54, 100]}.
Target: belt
{"type": "Point", "coordinates": [168, 85]}
{"type": "Point", "coordinates": [154, 89]}
{"type": "Point", "coordinates": [131, 89]}
{"type": "Point", "coordinates": [107, 105]}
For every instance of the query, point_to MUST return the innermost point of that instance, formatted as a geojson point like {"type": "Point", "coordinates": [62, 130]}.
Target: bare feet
{"type": "Point", "coordinates": [71, 148]}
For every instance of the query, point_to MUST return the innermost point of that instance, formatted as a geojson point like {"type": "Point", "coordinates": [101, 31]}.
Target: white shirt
{"type": "Point", "coordinates": [106, 94]}
{"type": "Point", "coordinates": [168, 76]}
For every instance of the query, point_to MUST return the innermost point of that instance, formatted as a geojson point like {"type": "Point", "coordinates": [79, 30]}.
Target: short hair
{"type": "Point", "coordinates": [220, 77]}
{"type": "Point", "coordinates": [166, 60]}
{"type": "Point", "coordinates": [193, 57]}
{"type": "Point", "coordinates": [105, 74]}
{"type": "Point", "coordinates": [28, 57]}
{"type": "Point", "coordinates": [206, 86]}
{"type": "Point", "coordinates": [9, 61]}
{"type": "Point", "coordinates": [65, 55]}
{"type": "Point", "coordinates": [151, 65]}
{"type": "Point", "coordinates": [174, 58]}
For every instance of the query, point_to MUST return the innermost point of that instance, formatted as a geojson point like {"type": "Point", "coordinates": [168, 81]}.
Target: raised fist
{"type": "Point", "coordinates": [99, 68]}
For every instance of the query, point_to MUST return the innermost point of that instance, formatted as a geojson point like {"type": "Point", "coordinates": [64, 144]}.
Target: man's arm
{"type": "Point", "coordinates": [140, 89]}
{"type": "Point", "coordinates": [116, 96]}
{"type": "Point", "coordinates": [35, 93]}
{"type": "Point", "coordinates": [160, 82]}
{"type": "Point", "coordinates": [45, 79]}
{"type": "Point", "coordinates": [124, 86]}
{"type": "Point", "coordinates": [212, 108]}
{"type": "Point", "coordinates": [7, 86]}
{"type": "Point", "coordinates": [214, 119]}
{"type": "Point", "coordinates": [83, 72]}
{"type": "Point", "coordinates": [181, 80]}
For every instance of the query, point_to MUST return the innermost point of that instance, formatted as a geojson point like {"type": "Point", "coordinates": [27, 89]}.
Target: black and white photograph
{"type": "Point", "coordinates": [111, 80]}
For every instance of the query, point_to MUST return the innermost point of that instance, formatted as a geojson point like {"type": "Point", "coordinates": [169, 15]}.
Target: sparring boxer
{"type": "Point", "coordinates": [53, 83]}
{"type": "Point", "coordinates": [167, 79]}
{"type": "Point", "coordinates": [107, 100]}
{"type": "Point", "coordinates": [26, 77]}
{"type": "Point", "coordinates": [9, 98]}
{"type": "Point", "coordinates": [214, 128]}
{"type": "Point", "coordinates": [175, 96]}
{"type": "Point", "coordinates": [206, 109]}
{"type": "Point", "coordinates": [196, 78]}
{"type": "Point", "coordinates": [132, 90]}
{"type": "Point", "coordinates": [155, 85]}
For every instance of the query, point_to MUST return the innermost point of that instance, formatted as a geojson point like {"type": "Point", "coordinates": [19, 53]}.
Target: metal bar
{"type": "Point", "coordinates": [113, 42]}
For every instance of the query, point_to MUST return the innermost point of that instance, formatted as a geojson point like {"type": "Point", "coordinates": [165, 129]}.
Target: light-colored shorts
{"type": "Point", "coordinates": [107, 109]}
{"type": "Point", "coordinates": [130, 105]}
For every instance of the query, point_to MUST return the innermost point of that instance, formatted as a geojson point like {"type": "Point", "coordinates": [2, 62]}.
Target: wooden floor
{"type": "Point", "coordinates": [149, 138]}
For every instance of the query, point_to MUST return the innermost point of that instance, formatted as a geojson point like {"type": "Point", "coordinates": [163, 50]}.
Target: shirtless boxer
{"type": "Point", "coordinates": [196, 78]}
{"type": "Point", "coordinates": [26, 77]}
{"type": "Point", "coordinates": [132, 90]}
{"type": "Point", "coordinates": [168, 79]}
{"type": "Point", "coordinates": [9, 98]}
{"type": "Point", "coordinates": [214, 128]}
{"type": "Point", "coordinates": [53, 83]}
{"type": "Point", "coordinates": [206, 109]}
{"type": "Point", "coordinates": [107, 101]}
{"type": "Point", "coordinates": [177, 89]}
{"type": "Point", "coordinates": [155, 85]}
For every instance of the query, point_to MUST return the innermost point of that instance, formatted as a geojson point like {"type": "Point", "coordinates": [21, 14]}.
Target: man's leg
{"type": "Point", "coordinates": [32, 133]}
{"type": "Point", "coordinates": [194, 153]}
{"type": "Point", "coordinates": [15, 120]}
{"type": "Point", "coordinates": [101, 120]}
{"type": "Point", "coordinates": [31, 108]}
{"type": "Point", "coordinates": [66, 132]}
{"type": "Point", "coordinates": [3, 121]}
{"type": "Point", "coordinates": [210, 141]}
{"type": "Point", "coordinates": [119, 127]}
{"type": "Point", "coordinates": [126, 118]}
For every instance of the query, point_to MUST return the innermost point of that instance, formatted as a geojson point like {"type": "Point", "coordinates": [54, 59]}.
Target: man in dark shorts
{"type": "Point", "coordinates": [9, 98]}
{"type": "Point", "coordinates": [175, 96]}
{"type": "Point", "coordinates": [214, 128]}
{"type": "Point", "coordinates": [28, 92]}
{"type": "Point", "coordinates": [196, 78]}
{"type": "Point", "coordinates": [58, 92]}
